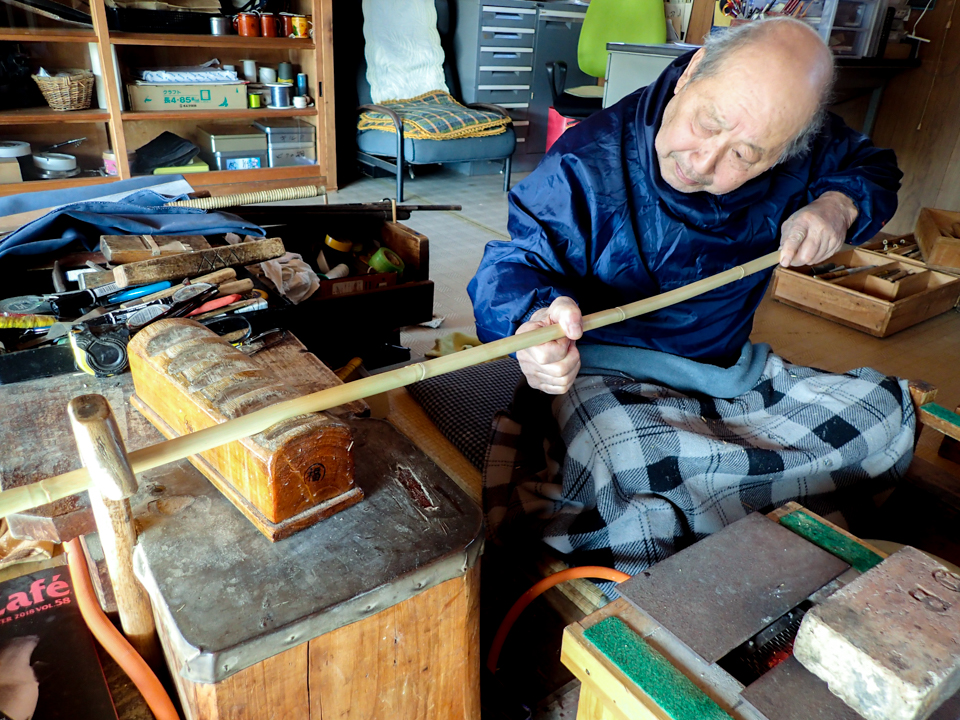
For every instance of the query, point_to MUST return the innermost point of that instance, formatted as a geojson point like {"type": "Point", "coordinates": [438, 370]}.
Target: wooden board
{"type": "Point", "coordinates": [197, 263]}
{"type": "Point", "coordinates": [120, 249]}
{"type": "Point", "coordinates": [917, 120]}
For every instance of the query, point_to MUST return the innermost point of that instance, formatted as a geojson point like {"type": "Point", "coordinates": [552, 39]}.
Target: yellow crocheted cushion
{"type": "Point", "coordinates": [435, 116]}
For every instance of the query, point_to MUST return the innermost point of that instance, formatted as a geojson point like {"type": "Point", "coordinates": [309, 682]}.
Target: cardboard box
{"type": "Point", "coordinates": [9, 171]}
{"type": "Point", "coordinates": [938, 235]}
{"type": "Point", "coordinates": [865, 302]}
{"type": "Point", "coordinates": [159, 97]}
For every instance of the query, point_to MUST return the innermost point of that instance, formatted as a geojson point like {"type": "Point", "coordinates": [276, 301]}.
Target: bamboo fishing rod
{"type": "Point", "coordinates": [62, 486]}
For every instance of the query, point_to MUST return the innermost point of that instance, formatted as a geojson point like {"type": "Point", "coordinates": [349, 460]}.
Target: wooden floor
{"type": "Point", "coordinates": [929, 351]}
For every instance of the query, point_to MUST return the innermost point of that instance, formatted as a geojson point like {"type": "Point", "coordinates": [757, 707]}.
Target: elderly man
{"type": "Point", "coordinates": [671, 425]}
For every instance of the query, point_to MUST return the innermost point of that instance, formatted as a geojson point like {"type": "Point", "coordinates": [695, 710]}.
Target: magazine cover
{"type": "Point", "coordinates": [49, 667]}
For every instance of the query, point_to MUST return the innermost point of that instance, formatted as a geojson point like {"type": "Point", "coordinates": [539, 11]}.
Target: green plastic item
{"type": "Point", "coordinates": [673, 691]}
{"type": "Point", "coordinates": [640, 22]}
{"type": "Point", "coordinates": [830, 540]}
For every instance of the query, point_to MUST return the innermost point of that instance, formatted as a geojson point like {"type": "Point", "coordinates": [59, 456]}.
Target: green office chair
{"type": "Point", "coordinates": [639, 22]}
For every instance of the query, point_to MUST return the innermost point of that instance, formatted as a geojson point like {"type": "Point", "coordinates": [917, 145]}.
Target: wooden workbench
{"type": "Point", "coordinates": [373, 613]}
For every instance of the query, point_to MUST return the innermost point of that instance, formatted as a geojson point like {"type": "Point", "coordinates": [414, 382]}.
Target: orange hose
{"type": "Point", "coordinates": [111, 639]}
{"type": "Point", "coordinates": [587, 571]}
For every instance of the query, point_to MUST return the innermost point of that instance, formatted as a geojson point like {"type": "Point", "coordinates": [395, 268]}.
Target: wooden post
{"type": "Point", "coordinates": [103, 454]}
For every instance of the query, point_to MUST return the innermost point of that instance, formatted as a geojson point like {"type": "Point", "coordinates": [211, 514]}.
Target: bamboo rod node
{"type": "Point", "coordinates": [421, 372]}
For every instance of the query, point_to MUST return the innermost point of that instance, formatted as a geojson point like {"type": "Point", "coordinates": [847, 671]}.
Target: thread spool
{"type": "Point", "coordinates": [267, 75]}
{"type": "Point", "coordinates": [301, 84]}
{"type": "Point", "coordinates": [338, 271]}
{"type": "Point", "coordinates": [280, 95]}
{"type": "Point", "coordinates": [249, 70]}
{"type": "Point", "coordinates": [285, 73]}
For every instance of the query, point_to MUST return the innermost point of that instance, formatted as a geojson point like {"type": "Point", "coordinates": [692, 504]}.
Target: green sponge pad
{"type": "Point", "coordinates": [830, 540]}
{"type": "Point", "coordinates": [673, 691]}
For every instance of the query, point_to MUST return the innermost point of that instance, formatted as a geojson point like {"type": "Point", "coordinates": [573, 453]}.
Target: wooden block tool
{"type": "Point", "coordinates": [190, 264]}
{"type": "Point", "coordinates": [121, 249]}
{"type": "Point", "coordinates": [284, 479]}
{"type": "Point", "coordinates": [888, 644]}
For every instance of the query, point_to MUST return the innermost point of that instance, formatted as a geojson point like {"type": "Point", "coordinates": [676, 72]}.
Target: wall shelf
{"type": "Point", "coordinates": [38, 185]}
{"type": "Point", "coordinates": [48, 116]}
{"type": "Point", "coordinates": [47, 35]}
{"type": "Point", "coordinates": [239, 114]}
{"type": "Point", "coordinates": [211, 41]}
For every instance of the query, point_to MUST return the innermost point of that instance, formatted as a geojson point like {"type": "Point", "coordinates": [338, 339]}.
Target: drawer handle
{"type": "Point", "coordinates": [506, 56]}
{"type": "Point", "coordinates": [506, 36]}
{"type": "Point", "coordinates": [508, 16]}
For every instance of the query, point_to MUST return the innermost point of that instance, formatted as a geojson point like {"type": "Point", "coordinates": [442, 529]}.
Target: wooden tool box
{"type": "Point", "coordinates": [938, 235]}
{"type": "Point", "coordinates": [348, 316]}
{"type": "Point", "coordinates": [866, 302]}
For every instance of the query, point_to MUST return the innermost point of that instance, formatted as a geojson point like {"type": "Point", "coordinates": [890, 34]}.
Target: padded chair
{"type": "Point", "coordinates": [395, 153]}
{"type": "Point", "coordinates": [638, 22]}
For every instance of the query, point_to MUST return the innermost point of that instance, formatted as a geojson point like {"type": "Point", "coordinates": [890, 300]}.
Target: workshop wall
{"type": "Point", "coordinates": [920, 119]}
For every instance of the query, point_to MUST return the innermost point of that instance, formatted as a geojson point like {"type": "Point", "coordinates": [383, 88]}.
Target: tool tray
{"type": "Point", "coordinates": [351, 316]}
{"type": "Point", "coordinates": [864, 301]}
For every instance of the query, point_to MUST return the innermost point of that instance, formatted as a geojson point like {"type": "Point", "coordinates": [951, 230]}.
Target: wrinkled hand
{"type": "Point", "coordinates": [553, 366]}
{"type": "Point", "coordinates": [815, 232]}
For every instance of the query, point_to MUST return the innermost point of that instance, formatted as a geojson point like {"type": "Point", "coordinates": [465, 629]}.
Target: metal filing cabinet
{"type": "Point", "coordinates": [502, 49]}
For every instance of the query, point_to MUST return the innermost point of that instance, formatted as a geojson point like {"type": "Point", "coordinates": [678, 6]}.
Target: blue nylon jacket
{"type": "Point", "coordinates": [596, 222]}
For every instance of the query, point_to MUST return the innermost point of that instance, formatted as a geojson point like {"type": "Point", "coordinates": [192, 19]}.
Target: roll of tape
{"type": "Point", "coordinates": [14, 148]}
{"type": "Point", "coordinates": [386, 260]}
{"type": "Point", "coordinates": [55, 161]}
{"type": "Point", "coordinates": [338, 244]}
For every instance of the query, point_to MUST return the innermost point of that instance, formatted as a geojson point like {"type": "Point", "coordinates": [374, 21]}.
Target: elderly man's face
{"type": "Point", "coordinates": [719, 132]}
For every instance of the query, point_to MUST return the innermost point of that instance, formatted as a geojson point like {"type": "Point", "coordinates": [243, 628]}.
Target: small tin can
{"type": "Point", "coordinates": [220, 25]}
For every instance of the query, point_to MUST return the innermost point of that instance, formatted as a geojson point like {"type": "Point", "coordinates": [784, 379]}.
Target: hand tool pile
{"type": "Point", "coordinates": [98, 321]}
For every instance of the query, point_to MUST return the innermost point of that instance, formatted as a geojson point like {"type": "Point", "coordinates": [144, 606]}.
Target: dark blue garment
{"type": "Point", "coordinates": [142, 213]}
{"type": "Point", "coordinates": [596, 222]}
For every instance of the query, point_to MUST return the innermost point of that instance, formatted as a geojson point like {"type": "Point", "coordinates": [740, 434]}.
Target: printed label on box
{"type": "Point", "coordinates": [345, 288]}
{"type": "Point", "coordinates": [186, 97]}
{"type": "Point", "coordinates": [250, 163]}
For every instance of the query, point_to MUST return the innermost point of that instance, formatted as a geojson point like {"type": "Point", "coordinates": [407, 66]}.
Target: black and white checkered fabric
{"type": "Point", "coordinates": [462, 403]}
{"type": "Point", "coordinates": [622, 473]}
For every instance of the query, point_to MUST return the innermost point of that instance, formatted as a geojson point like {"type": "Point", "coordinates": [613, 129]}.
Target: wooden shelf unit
{"type": "Point", "coordinates": [121, 129]}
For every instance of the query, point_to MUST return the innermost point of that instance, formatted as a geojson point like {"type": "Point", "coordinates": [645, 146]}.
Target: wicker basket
{"type": "Point", "coordinates": [67, 92]}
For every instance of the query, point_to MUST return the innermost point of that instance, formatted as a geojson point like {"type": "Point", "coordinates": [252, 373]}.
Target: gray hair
{"type": "Point", "coordinates": [719, 46]}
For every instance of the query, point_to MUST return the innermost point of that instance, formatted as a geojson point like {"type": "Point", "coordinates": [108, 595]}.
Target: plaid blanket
{"type": "Point", "coordinates": [435, 116]}
{"type": "Point", "coordinates": [623, 473]}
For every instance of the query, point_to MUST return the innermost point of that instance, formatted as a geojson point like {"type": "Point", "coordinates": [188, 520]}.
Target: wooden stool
{"type": "Point", "coordinates": [372, 613]}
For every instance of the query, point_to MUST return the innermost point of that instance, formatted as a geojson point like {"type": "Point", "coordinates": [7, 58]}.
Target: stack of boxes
{"type": "Point", "coordinates": [267, 143]}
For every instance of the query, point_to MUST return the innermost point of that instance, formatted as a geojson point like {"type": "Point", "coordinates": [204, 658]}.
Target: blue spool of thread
{"type": "Point", "coordinates": [280, 94]}
{"type": "Point", "coordinates": [301, 84]}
